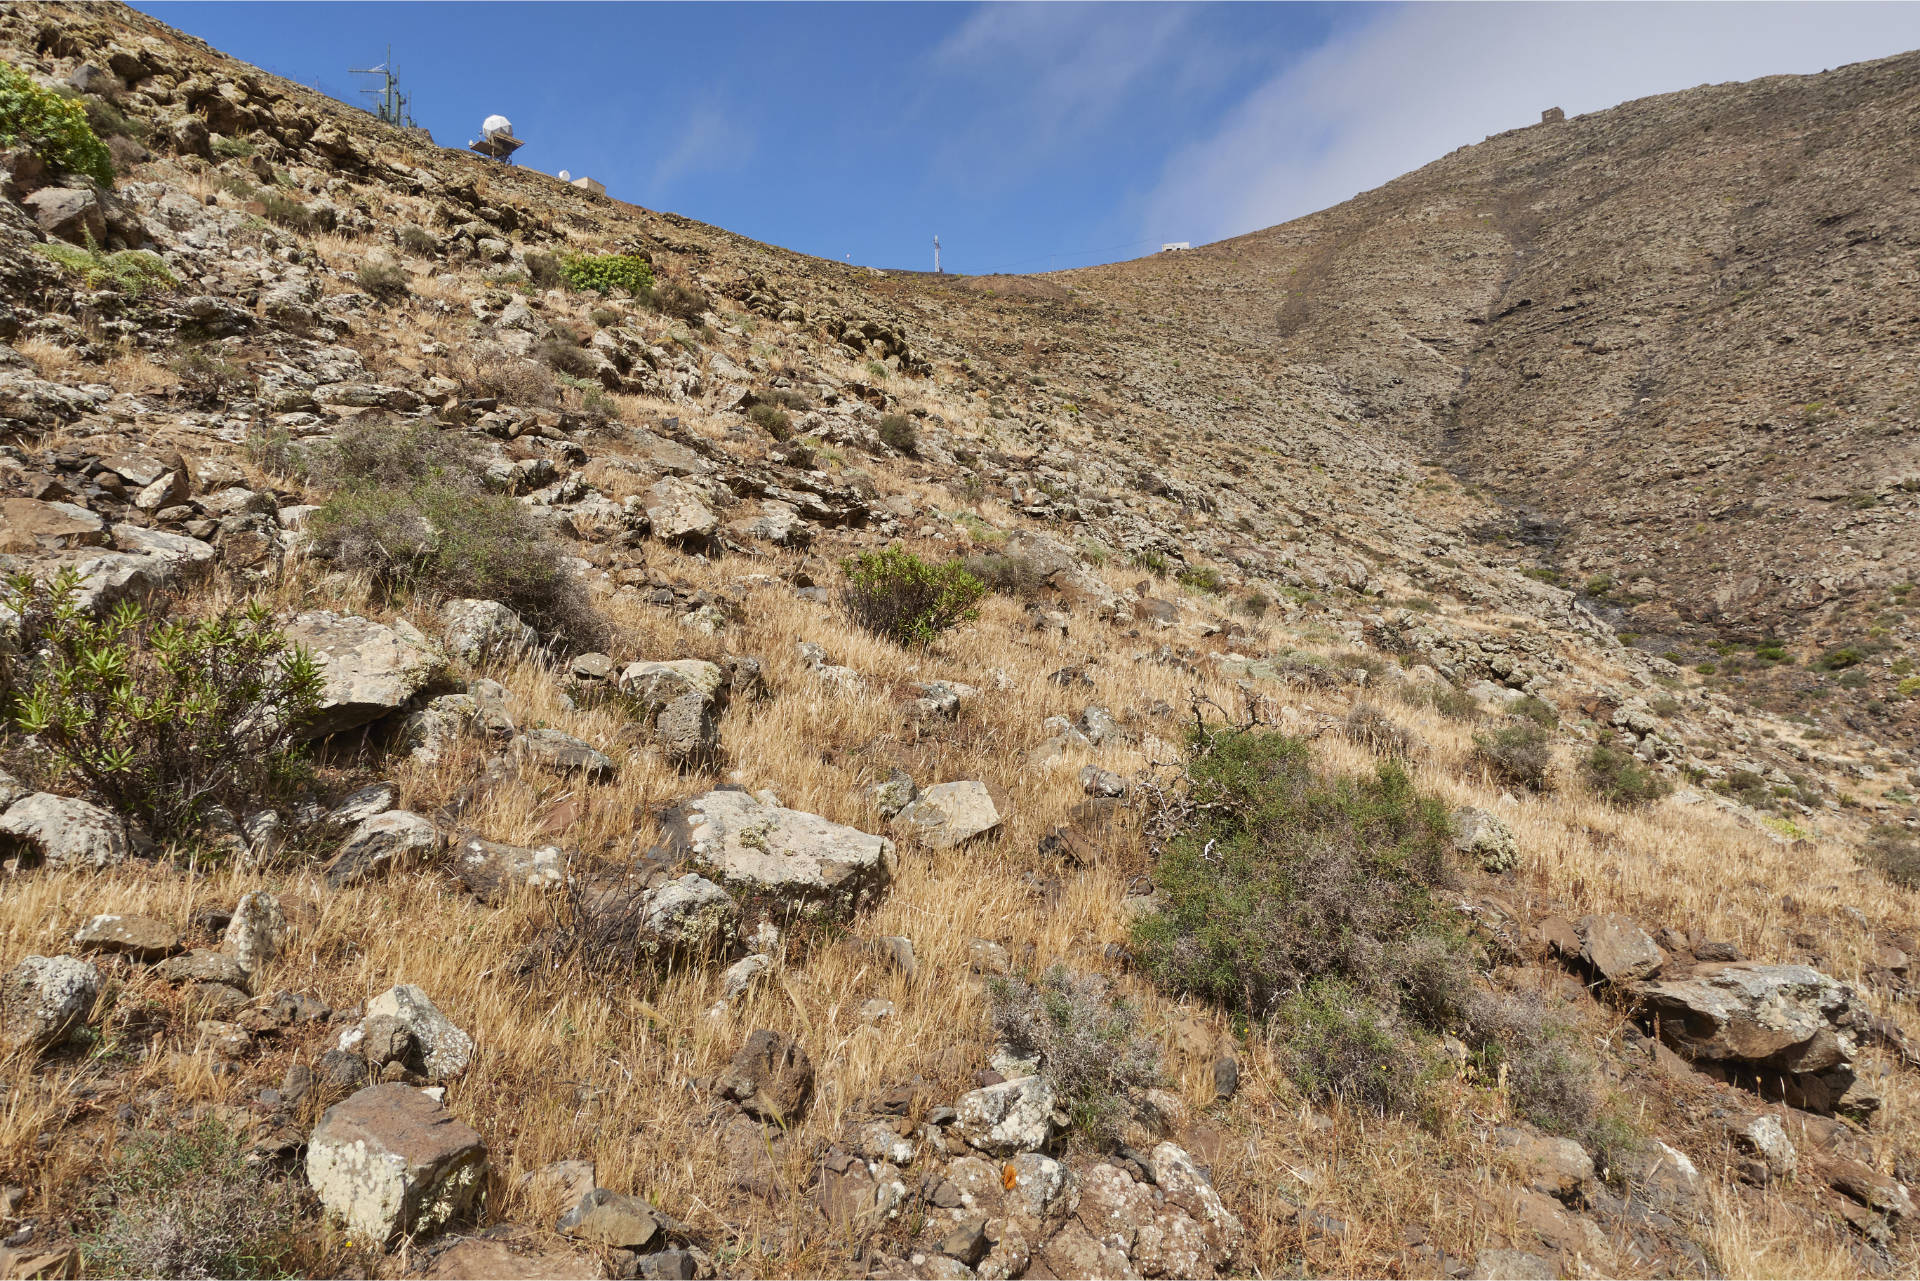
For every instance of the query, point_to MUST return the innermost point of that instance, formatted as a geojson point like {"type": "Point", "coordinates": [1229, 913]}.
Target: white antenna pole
{"type": "Point", "coordinates": [936, 253]}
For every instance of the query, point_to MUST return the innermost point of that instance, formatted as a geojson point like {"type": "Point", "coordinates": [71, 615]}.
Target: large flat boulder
{"type": "Point", "coordinates": [370, 669]}
{"type": "Point", "coordinates": [947, 814]}
{"type": "Point", "coordinates": [680, 703]}
{"type": "Point", "coordinates": [1789, 1017]}
{"type": "Point", "coordinates": [391, 1161]}
{"type": "Point", "coordinates": [807, 863]}
{"type": "Point", "coordinates": [44, 998]}
{"type": "Point", "coordinates": [64, 831]}
{"type": "Point", "coordinates": [27, 525]}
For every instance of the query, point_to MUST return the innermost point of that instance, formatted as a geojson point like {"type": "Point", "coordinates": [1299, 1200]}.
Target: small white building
{"type": "Point", "coordinates": [1172, 245]}
{"type": "Point", "coordinates": [589, 185]}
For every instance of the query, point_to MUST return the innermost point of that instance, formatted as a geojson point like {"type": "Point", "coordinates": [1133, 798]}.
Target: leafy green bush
{"type": "Point", "coordinates": [1203, 578]}
{"type": "Point", "coordinates": [163, 717]}
{"type": "Point", "coordinates": [53, 127]}
{"type": "Point", "coordinates": [1152, 561]}
{"type": "Point", "coordinates": [228, 147]}
{"type": "Point", "coordinates": [135, 272]}
{"type": "Point", "coordinates": [293, 214]}
{"type": "Point", "coordinates": [560, 352]}
{"type": "Point", "coordinates": [1255, 605]}
{"type": "Point", "coordinates": [1520, 753]}
{"type": "Point", "coordinates": [772, 420]}
{"type": "Point", "coordinates": [413, 512]}
{"type": "Point", "coordinates": [604, 273]}
{"type": "Point", "coordinates": [185, 1203]}
{"type": "Point", "coordinates": [1619, 778]}
{"type": "Point", "coordinates": [1316, 904]}
{"type": "Point", "coordinates": [1282, 876]}
{"type": "Point", "coordinates": [386, 281]}
{"type": "Point", "coordinates": [1535, 709]}
{"type": "Point", "coordinates": [108, 121]}
{"type": "Point", "coordinates": [895, 594]}
{"type": "Point", "coordinates": [897, 432]}
{"type": "Point", "coordinates": [1835, 660]}
{"type": "Point", "coordinates": [1089, 1042]}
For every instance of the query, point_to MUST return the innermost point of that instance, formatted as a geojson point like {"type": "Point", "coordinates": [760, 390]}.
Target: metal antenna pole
{"type": "Point", "coordinates": [936, 253]}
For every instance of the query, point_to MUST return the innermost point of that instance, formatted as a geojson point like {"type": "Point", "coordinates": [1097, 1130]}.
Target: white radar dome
{"type": "Point", "coordinates": [496, 124]}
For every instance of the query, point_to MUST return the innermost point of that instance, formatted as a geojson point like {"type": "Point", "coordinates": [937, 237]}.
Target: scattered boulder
{"type": "Point", "coordinates": [379, 844]}
{"type": "Point", "coordinates": [1779, 1019]}
{"type": "Point", "coordinates": [477, 630]}
{"type": "Point", "coordinates": [43, 999]}
{"type": "Point", "coordinates": [256, 933]}
{"type": "Point", "coordinates": [1095, 781]}
{"type": "Point", "coordinates": [202, 966]}
{"type": "Point", "coordinates": [893, 793]}
{"type": "Point", "coordinates": [802, 860]}
{"type": "Point", "coordinates": [494, 871]}
{"type": "Point", "coordinates": [1013, 1116]}
{"type": "Point", "coordinates": [73, 214]}
{"type": "Point", "coordinates": [563, 753]}
{"type": "Point", "coordinates": [1486, 839]}
{"type": "Point", "coordinates": [770, 1077]}
{"type": "Point", "coordinates": [947, 814]}
{"type": "Point", "coordinates": [612, 1219]}
{"type": "Point", "coordinates": [391, 1161]}
{"type": "Point", "coordinates": [680, 703]}
{"type": "Point", "coordinates": [140, 937]}
{"type": "Point", "coordinates": [1766, 1139]}
{"type": "Point", "coordinates": [64, 831]}
{"type": "Point", "coordinates": [370, 669]}
{"type": "Point", "coordinates": [1619, 950]}
{"type": "Point", "coordinates": [678, 512]}
{"type": "Point", "coordinates": [689, 916]}
{"type": "Point", "coordinates": [440, 1051]}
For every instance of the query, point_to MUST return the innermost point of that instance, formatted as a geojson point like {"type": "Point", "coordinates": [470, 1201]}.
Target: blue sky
{"type": "Point", "coordinates": [1027, 136]}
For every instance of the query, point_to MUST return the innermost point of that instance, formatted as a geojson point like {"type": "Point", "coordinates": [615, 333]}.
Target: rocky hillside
{"type": "Point", "coordinates": [547, 739]}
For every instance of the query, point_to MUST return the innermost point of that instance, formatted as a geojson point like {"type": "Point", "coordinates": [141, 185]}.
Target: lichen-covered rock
{"type": "Point", "coordinates": [494, 871]}
{"type": "Point", "coordinates": [391, 1161]}
{"type": "Point", "coordinates": [1789, 1017]}
{"type": "Point", "coordinates": [804, 861]}
{"type": "Point", "coordinates": [563, 753]}
{"type": "Point", "coordinates": [1485, 839]}
{"type": "Point", "coordinates": [477, 630]}
{"type": "Point", "coordinates": [689, 916]}
{"type": "Point", "coordinates": [140, 937]}
{"type": "Point", "coordinates": [379, 844]}
{"type": "Point", "coordinates": [369, 669]}
{"type": "Point", "coordinates": [678, 513]}
{"type": "Point", "coordinates": [1618, 948]}
{"type": "Point", "coordinates": [947, 814]}
{"type": "Point", "coordinates": [44, 998]}
{"type": "Point", "coordinates": [1014, 1116]}
{"type": "Point", "coordinates": [680, 703]}
{"type": "Point", "coordinates": [256, 933]}
{"type": "Point", "coordinates": [439, 1050]}
{"type": "Point", "coordinates": [64, 831]}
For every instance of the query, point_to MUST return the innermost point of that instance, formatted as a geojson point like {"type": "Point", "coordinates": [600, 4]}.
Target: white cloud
{"type": "Point", "coordinates": [1413, 83]}
{"type": "Point", "coordinates": [706, 139]}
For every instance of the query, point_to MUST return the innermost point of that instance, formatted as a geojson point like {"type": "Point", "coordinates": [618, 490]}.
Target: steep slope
{"type": "Point", "coordinates": [636, 894]}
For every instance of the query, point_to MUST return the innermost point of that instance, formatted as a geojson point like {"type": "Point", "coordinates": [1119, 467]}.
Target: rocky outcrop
{"type": "Point", "coordinates": [369, 668]}
{"type": "Point", "coordinates": [391, 1161]}
{"type": "Point", "coordinates": [799, 861]}
{"type": "Point", "coordinates": [43, 999]}
{"type": "Point", "coordinates": [63, 831]}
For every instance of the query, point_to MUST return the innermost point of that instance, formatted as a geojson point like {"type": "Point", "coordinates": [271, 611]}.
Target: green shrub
{"type": "Point", "coordinates": [162, 716]}
{"type": "Point", "coordinates": [185, 1202]}
{"type": "Point", "coordinates": [413, 512]}
{"type": "Point", "coordinates": [1520, 754]}
{"type": "Point", "coordinates": [679, 301]}
{"type": "Point", "coordinates": [1374, 730]}
{"type": "Point", "coordinates": [53, 127]}
{"type": "Point", "coordinates": [1152, 561]}
{"type": "Point", "coordinates": [544, 270]}
{"type": "Point", "coordinates": [1255, 605]}
{"type": "Point", "coordinates": [1203, 578]}
{"type": "Point", "coordinates": [228, 147]}
{"type": "Point", "coordinates": [1341, 1043]}
{"type": "Point", "coordinates": [897, 432]}
{"type": "Point", "coordinates": [1089, 1043]}
{"type": "Point", "coordinates": [418, 241]}
{"type": "Point", "coordinates": [1772, 653]}
{"type": "Point", "coordinates": [1835, 660]}
{"type": "Point", "coordinates": [1014, 576]}
{"type": "Point", "coordinates": [1535, 709]}
{"type": "Point", "coordinates": [135, 272]}
{"type": "Point", "coordinates": [604, 273]}
{"type": "Point", "coordinates": [558, 352]}
{"type": "Point", "coordinates": [386, 281]}
{"type": "Point", "coordinates": [293, 214]}
{"type": "Point", "coordinates": [1284, 876]}
{"type": "Point", "coordinates": [772, 420]}
{"type": "Point", "coordinates": [1619, 778]}
{"type": "Point", "coordinates": [876, 371]}
{"type": "Point", "coordinates": [787, 398]}
{"type": "Point", "coordinates": [895, 594]}
{"type": "Point", "coordinates": [1894, 852]}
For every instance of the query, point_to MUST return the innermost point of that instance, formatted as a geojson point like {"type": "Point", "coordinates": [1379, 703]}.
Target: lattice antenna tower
{"type": "Point", "coordinates": [389, 104]}
{"type": "Point", "coordinates": [936, 253]}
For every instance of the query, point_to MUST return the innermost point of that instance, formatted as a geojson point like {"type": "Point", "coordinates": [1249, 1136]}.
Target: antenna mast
{"type": "Point", "coordinates": [389, 104]}
{"type": "Point", "coordinates": [936, 253]}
